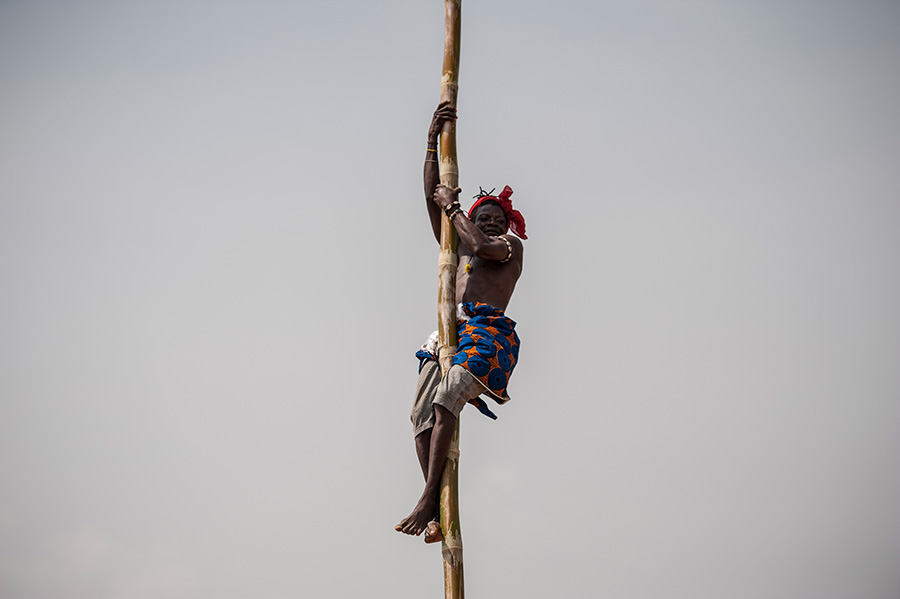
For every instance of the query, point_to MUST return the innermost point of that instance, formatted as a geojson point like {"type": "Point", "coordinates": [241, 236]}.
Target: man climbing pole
{"type": "Point", "coordinates": [490, 262]}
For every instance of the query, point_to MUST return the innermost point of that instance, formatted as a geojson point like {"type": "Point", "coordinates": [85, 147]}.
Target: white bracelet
{"type": "Point", "coordinates": [508, 250]}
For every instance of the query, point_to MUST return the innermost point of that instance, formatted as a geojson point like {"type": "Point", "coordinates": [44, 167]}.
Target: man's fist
{"type": "Point", "coordinates": [444, 196]}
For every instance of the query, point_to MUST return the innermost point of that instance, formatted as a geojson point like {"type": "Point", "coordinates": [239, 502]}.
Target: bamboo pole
{"type": "Point", "coordinates": [451, 548]}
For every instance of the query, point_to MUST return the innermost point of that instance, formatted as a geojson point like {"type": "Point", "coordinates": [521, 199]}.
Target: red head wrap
{"type": "Point", "coordinates": [514, 219]}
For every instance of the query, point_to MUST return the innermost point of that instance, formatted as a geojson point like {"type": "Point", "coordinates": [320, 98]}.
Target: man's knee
{"type": "Point", "coordinates": [442, 414]}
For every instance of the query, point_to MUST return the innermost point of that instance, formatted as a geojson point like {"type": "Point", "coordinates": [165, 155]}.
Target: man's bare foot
{"type": "Point", "coordinates": [433, 532]}
{"type": "Point", "coordinates": [416, 522]}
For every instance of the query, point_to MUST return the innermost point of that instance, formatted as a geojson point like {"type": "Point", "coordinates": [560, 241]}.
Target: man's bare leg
{"type": "Point", "coordinates": [426, 508]}
{"type": "Point", "coordinates": [423, 446]}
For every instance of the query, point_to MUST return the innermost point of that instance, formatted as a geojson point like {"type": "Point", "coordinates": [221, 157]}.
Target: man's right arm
{"type": "Point", "coordinates": [432, 174]}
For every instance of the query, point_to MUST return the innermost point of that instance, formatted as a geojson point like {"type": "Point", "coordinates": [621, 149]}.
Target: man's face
{"type": "Point", "coordinates": [491, 219]}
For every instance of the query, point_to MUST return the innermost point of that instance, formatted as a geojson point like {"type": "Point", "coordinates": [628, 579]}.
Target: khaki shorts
{"type": "Point", "coordinates": [451, 392]}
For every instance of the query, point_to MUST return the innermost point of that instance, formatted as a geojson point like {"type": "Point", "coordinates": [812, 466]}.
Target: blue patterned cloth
{"type": "Point", "coordinates": [488, 348]}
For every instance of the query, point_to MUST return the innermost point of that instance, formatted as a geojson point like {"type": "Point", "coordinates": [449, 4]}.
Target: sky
{"type": "Point", "coordinates": [216, 266]}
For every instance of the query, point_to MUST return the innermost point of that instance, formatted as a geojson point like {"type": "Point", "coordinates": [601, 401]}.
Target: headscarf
{"type": "Point", "coordinates": [514, 219]}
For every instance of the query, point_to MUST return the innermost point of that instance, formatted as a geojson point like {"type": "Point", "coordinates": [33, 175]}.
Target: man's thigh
{"type": "Point", "coordinates": [451, 392]}
{"type": "Point", "coordinates": [456, 389]}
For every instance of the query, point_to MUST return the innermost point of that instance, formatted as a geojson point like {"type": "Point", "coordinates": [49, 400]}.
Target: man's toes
{"type": "Point", "coordinates": [411, 526]}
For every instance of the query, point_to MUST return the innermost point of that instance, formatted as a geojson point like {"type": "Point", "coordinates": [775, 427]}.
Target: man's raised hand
{"type": "Point", "coordinates": [444, 112]}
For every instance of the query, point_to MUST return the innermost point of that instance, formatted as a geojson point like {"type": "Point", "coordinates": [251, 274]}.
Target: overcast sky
{"type": "Point", "coordinates": [215, 268]}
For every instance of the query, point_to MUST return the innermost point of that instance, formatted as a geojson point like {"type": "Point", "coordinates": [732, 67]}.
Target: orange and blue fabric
{"type": "Point", "coordinates": [488, 347]}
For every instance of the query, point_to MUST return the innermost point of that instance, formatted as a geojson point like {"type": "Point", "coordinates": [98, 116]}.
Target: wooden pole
{"type": "Point", "coordinates": [451, 548]}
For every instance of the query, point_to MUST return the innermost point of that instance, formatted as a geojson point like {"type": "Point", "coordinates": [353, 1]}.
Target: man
{"type": "Point", "coordinates": [490, 262]}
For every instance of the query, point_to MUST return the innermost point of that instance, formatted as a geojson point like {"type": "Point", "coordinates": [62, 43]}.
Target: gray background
{"type": "Point", "coordinates": [216, 267]}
